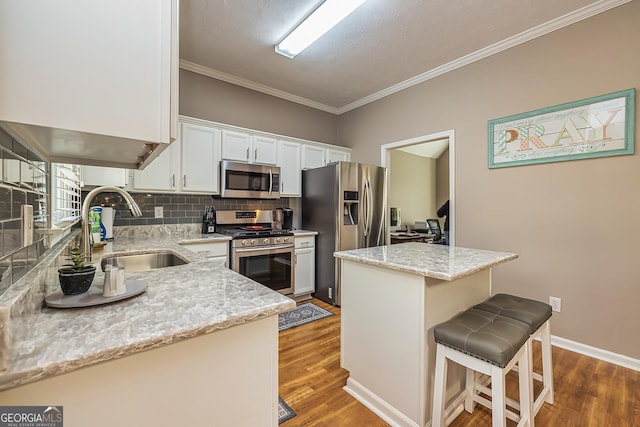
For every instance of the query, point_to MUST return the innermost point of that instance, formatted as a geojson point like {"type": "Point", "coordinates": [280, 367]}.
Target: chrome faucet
{"type": "Point", "coordinates": [86, 228]}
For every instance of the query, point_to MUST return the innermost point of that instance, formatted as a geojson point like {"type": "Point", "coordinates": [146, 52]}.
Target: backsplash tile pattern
{"type": "Point", "coordinates": [23, 180]}
{"type": "Point", "coordinates": [177, 208]}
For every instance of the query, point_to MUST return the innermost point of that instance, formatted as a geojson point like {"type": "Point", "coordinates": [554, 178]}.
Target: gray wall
{"type": "Point", "coordinates": [209, 99]}
{"type": "Point", "coordinates": [573, 224]}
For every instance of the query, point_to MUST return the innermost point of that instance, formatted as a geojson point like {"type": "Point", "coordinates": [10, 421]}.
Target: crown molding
{"type": "Point", "coordinates": [525, 36]}
{"type": "Point", "coordinates": [238, 81]}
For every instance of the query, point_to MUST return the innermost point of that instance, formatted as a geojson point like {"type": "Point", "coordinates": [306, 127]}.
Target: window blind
{"type": "Point", "coordinates": [65, 195]}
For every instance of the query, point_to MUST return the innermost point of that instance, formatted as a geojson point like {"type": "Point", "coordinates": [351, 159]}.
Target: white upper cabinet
{"type": "Point", "coordinates": [244, 147]}
{"type": "Point", "coordinates": [289, 161]}
{"type": "Point", "coordinates": [312, 156]}
{"type": "Point", "coordinates": [334, 155]}
{"type": "Point", "coordinates": [264, 150]}
{"type": "Point", "coordinates": [200, 158]}
{"type": "Point", "coordinates": [161, 175]}
{"type": "Point", "coordinates": [188, 165]}
{"type": "Point", "coordinates": [90, 82]}
{"type": "Point", "coordinates": [316, 156]}
{"type": "Point", "coordinates": [236, 145]}
{"type": "Point", "coordinates": [95, 176]}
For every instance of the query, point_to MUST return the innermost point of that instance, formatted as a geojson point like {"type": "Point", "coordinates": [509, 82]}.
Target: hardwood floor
{"type": "Point", "coordinates": [588, 392]}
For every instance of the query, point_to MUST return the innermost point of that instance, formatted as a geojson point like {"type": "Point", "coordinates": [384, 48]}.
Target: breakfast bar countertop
{"type": "Point", "coordinates": [435, 261]}
{"type": "Point", "coordinates": [180, 302]}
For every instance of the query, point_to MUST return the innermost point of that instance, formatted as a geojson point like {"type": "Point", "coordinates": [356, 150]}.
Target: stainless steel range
{"type": "Point", "coordinates": [258, 251]}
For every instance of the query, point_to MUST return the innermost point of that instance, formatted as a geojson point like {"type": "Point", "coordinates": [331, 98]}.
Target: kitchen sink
{"type": "Point", "coordinates": [143, 261]}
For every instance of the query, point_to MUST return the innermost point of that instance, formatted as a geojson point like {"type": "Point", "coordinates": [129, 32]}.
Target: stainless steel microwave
{"type": "Point", "coordinates": [249, 181]}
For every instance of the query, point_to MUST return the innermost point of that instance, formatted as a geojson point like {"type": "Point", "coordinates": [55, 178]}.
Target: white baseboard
{"type": "Point", "coordinates": [379, 406]}
{"type": "Point", "coordinates": [597, 353]}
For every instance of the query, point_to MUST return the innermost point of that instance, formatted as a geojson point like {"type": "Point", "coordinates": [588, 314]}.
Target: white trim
{"type": "Point", "coordinates": [385, 161]}
{"type": "Point", "coordinates": [377, 405]}
{"type": "Point", "coordinates": [238, 81]}
{"type": "Point", "coordinates": [525, 36]}
{"type": "Point", "coordinates": [597, 353]}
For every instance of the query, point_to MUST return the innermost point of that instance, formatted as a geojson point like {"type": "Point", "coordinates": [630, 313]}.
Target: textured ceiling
{"type": "Point", "coordinates": [381, 44]}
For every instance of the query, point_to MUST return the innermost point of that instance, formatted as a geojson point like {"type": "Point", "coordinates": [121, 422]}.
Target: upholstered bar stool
{"type": "Point", "coordinates": [537, 315]}
{"type": "Point", "coordinates": [492, 345]}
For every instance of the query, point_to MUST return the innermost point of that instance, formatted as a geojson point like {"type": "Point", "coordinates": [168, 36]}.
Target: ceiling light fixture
{"type": "Point", "coordinates": [325, 17]}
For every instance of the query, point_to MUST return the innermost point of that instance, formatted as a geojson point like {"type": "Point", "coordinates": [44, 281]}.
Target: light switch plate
{"type": "Point", "coordinates": [159, 212]}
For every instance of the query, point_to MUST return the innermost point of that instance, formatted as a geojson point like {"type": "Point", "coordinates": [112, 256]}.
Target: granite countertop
{"type": "Point", "coordinates": [180, 302]}
{"type": "Point", "coordinates": [436, 261]}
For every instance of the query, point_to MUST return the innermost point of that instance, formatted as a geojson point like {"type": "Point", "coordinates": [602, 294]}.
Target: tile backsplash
{"type": "Point", "coordinates": [23, 181]}
{"type": "Point", "coordinates": [177, 208]}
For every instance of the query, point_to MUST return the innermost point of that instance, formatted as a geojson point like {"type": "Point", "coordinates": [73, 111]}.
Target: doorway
{"type": "Point", "coordinates": [432, 146]}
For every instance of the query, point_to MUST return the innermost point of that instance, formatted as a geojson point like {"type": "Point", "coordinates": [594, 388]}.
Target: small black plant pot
{"type": "Point", "coordinates": [76, 281]}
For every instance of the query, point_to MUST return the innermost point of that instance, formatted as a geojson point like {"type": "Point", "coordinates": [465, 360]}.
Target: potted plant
{"type": "Point", "coordinates": [76, 278]}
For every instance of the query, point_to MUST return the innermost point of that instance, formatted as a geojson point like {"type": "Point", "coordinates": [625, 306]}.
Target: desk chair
{"type": "Point", "coordinates": [434, 226]}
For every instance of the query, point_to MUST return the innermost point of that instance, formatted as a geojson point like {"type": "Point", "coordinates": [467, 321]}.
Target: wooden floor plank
{"type": "Point", "coordinates": [588, 392]}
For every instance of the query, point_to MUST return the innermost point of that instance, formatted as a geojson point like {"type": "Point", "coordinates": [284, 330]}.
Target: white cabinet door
{"type": "Point", "coordinates": [199, 158]}
{"type": "Point", "coordinates": [264, 150]}
{"type": "Point", "coordinates": [312, 156]}
{"type": "Point", "coordinates": [161, 174]}
{"type": "Point", "coordinates": [96, 68]}
{"type": "Point", "coordinates": [236, 146]}
{"type": "Point", "coordinates": [95, 176]}
{"type": "Point", "coordinates": [305, 271]}
{"type": "Point", "coordinates": [211, 250]}
{"type": "Point", "coordinates": [290, 168]}
{"type": "Point", "coordinates": [337, 155]}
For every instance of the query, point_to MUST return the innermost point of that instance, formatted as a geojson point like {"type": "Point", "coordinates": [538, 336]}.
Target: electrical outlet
{"type": "Point", "coordinates": [556, 304]}
{"type": "Point", "coordinates": [159, 212]}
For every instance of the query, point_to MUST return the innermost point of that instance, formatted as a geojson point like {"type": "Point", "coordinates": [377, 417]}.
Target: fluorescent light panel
{"type": "Point", "coordinates": [319, 22]}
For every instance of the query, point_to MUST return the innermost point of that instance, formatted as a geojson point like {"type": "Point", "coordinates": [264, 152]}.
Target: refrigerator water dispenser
{"type": "Point", "coordinates": [350, 208]}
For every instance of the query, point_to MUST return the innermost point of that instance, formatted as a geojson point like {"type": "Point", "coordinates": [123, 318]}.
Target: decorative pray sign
{"type": "Point", "coordinates": [595, 127]}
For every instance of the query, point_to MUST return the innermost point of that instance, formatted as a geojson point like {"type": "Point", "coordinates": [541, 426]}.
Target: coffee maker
{"type": "Point", "coordinates": [287, 219]}
{"type": "Point", "coordinates": [283, 219]}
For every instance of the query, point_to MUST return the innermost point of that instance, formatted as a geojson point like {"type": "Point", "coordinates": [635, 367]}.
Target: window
{"type": "Point", "coordinates": [65, 194]}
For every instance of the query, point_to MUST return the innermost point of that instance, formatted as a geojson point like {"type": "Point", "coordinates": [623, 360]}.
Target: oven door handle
{"type": "Point", "coordinates": [286, 248]}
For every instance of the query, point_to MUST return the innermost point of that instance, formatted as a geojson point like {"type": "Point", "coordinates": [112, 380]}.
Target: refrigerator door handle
{"type": "Point", "coordinates": [379, 240]}
{"type": "Point", "coordinates": [368, 209]}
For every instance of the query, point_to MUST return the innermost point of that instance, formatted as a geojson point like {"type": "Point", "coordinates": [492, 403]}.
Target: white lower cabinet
{"type": "Point", "coordinates": [305, 273]}
{"type": "Point", "coordinates": [212, 250]}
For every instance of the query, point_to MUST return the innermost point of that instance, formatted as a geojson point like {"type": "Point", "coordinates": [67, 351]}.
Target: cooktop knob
{"type": "Point", "coordinates": [265, 241]}
{"type": "Point", "coordinates": [253, 241]}
{"type": "Point", "coordinates": [278, 240]}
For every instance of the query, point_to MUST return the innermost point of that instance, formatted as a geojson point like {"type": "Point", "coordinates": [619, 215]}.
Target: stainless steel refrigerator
{"type": "Point", "coordinates": [345, 203]}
